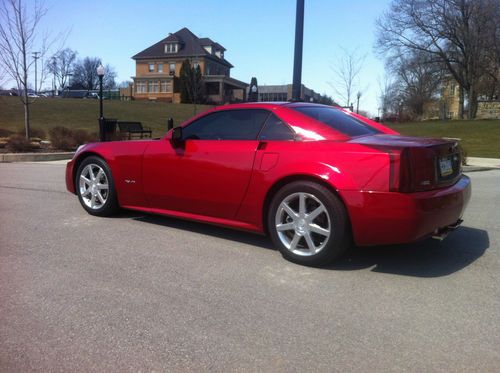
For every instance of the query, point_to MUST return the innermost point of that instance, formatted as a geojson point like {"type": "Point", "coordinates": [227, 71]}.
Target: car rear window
{"type": "Point", "coordinates": [338, 120]}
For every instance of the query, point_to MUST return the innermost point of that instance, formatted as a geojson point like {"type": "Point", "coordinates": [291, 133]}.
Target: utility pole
{"type": "Point", "coordinates": [357, 105]}
{"type": "Point", "coordinates": [297, 59]}
{"type": "Point", "coordinates": [36, 56]}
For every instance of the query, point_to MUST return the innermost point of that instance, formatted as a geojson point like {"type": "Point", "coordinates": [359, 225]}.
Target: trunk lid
{"type": "Point", "coordinates": [420, 163]}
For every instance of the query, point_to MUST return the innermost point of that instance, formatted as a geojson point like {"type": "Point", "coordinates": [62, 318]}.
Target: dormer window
{"type": "Point", "coordinates": [217, 53]}
{"type": "Point", "coordinates": [171, 48]}
{"type": "Point", "coordinates": [208, 48]}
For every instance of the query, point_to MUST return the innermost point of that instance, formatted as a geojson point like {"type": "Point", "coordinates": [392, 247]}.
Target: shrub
{"type": "Point", "coordinates": [64, 138]}
{"type": "Point", "coordinates": [38, 132]}
{"type": "Point", "coordinates": [18, 143]}
{"type": "Point", "coordinates": [5, 133]}
{"type": "Point", "coordinates": [463, 152]}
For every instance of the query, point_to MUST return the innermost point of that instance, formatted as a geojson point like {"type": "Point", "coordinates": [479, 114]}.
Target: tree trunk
{"type": "Point", "coordinates": [472, 95]}
{"type": "Point", "coordinates": [27, 120]}
{"type": "Point", "coordinates": [461, 99]}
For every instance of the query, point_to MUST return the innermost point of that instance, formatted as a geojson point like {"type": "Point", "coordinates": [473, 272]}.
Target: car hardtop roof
{"type": "Point", "coordinates": [268, 105]}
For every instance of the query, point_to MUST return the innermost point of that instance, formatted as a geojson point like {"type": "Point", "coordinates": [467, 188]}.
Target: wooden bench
{"type": "Point", "coordinates": [131, 129]}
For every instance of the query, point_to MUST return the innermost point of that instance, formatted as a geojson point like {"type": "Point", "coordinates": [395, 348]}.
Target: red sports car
{"type": "Point", "coordinates": [314, 178]}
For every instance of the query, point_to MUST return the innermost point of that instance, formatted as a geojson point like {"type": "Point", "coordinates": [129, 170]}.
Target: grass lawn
{"type": "Point", "coordinates": [82, 114]}
{"type": "Point", "coordinates": [480, 138]}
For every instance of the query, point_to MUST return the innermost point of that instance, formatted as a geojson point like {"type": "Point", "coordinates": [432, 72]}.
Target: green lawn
{"type": "Point", "coordinates": [480, 138]}
{"type": "Point", "coordinates": [82, 114]}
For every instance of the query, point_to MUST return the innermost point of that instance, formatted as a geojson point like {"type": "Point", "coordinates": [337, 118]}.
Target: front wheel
{"type": "Point", "coordinates": [95, 187]}
{"type": "Point", "coordinates": [308, 223]}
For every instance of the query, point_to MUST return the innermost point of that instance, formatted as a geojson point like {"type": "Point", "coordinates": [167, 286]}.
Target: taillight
{"type": "Point", "coordinates": [400, 174]}
{"type": "Point", "coordinates": [406, 184]}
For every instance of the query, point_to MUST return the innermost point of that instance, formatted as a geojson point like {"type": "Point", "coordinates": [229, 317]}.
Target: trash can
{"type": "Point", "coordinates": [107, 128]}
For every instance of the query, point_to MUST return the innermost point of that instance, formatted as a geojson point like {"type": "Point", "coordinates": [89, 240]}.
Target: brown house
{"type": "Point", "coordinates": [158, 68]}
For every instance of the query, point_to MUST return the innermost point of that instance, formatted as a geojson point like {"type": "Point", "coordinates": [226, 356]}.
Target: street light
{"type": "Point", "coordinates": [100, 74]}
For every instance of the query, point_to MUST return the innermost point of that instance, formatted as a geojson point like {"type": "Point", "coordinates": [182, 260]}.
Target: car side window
{"type": "Point", "coordinates": [276, 129]}
{"type": "Point", "coordinates": [242, 124]}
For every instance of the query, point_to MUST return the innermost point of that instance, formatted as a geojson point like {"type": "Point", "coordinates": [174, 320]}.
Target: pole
{"type": "Point", "coordinates": [101, 117]}
{"type": "Point", "coordinates": [36, 57]}
{"type": "Point", "coordinates": [297, 59]}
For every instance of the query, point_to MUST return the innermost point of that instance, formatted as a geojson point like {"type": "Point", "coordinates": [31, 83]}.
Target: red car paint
{"type": "Point", "coordinates": [388, 183]}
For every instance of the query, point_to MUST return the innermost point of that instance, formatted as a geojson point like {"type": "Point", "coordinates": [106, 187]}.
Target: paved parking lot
{"type": "Point", "coordinates": [146, 293]}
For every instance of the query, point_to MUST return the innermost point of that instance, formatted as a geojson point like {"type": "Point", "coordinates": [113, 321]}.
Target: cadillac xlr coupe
{"type": "Point", "coordinates": [314, 178]}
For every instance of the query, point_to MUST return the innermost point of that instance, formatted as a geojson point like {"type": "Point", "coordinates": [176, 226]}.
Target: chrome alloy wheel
{"type": "Point", "coordinates": [94, 186]}
{"type": "Point", "coordinates": [303, 224]}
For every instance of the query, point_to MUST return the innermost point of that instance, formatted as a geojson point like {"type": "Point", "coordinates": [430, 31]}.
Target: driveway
{"type": "Point", "coordinates": [147, 293]}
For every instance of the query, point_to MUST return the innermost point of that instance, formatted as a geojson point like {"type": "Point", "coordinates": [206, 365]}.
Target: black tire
{"type": "Point", "coordinates": [95, 206]}
{"type": "Point", "coordinates": [333, 218]}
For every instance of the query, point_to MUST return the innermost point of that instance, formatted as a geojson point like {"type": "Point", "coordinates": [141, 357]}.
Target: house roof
{"type": "Point", "coordinates": [189, 46]}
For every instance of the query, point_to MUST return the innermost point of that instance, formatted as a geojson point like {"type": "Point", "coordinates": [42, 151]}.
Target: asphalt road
{"type": "Point", "coordinates": [145, 293]}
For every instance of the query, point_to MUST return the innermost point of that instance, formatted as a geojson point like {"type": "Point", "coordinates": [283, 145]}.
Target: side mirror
{"type": "Point", "coordinates": [177, 136]}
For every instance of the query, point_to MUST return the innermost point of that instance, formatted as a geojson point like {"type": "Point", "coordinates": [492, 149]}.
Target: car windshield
{"type": "Point", "coordinates": [338, 120]}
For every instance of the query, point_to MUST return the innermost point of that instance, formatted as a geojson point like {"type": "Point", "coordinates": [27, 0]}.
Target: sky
{"type": "Point", "coordinates": [258, 35]}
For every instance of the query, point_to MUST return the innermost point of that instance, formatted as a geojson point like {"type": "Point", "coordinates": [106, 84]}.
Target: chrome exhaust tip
{"type": "Point", "coordinates": [441, 233]}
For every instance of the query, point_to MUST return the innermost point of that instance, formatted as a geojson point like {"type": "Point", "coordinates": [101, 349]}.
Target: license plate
{"type": "Point", "coordinates": [445, 166]}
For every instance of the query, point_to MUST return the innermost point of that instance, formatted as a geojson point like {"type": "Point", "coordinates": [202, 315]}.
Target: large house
{"type": "Point", "coordinates": [447, 106]}
{"type": "Point", "coordinates": [158, 68]}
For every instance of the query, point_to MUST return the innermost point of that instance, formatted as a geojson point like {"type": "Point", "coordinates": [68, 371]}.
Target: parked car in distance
{"type": "Point", "coordinates": [91, 95]}
{"type": "Point", "coordinates": [314, 178]}
{"type": "Point", "coordinates": [33, 95]}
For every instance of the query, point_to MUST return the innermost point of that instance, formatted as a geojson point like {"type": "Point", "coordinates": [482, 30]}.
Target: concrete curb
{"type": "Point", "coordinates": [35, 157]}
{"type": "Point", "coordinates": [476, 168]}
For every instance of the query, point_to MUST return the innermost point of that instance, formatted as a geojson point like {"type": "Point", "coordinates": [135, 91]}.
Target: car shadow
{"type": "Point", "coordinates": [201, 228]}
{"type": "Point", "coordinates": [428, 258]}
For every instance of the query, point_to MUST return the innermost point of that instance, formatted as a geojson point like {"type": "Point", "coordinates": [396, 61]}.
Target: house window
{"type": "Point", "coordinates": [166, 86]}
{"type": "Point", "coordinates": [452, 90]}
{"type": "Point", "coordinates": [160, 67]}
{"type": "Point", "coordinates": [151, 67]}
{"type": "Point", "coordinates": [171, 48]}
{"type": "Point", "coordinates": [153, 86]}
{"type": "Point", "coordinates": [196, 64]}
{"type": "Point", "coordinates": [140, 87]}
{"type": "Point", "coordinates": [171, 68]}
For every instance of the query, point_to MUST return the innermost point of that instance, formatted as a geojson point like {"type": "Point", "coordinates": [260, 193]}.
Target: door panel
{"type": "Point", "coordinates": [206, 177]}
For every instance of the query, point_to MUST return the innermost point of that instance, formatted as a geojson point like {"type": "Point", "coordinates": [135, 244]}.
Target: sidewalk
{"type": "Point", "coordinates": [483, 162]}
{"type": "Point", "coordinates": [35, 157]}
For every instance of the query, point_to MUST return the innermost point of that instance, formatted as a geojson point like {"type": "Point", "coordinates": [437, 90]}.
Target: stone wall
{"type": "Point", "coordinates": [488, 110]}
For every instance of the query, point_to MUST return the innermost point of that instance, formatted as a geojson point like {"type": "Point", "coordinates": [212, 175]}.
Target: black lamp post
{"type": "Point", "coordinates": [100, 74]}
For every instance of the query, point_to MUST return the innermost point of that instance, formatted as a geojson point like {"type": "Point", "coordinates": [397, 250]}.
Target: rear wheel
{"type": "Point", "coordinates": [308, 223]}
{"type": "Point", "coordinates": [95, 187]}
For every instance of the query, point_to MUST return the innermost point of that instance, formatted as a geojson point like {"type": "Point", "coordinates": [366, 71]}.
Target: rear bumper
{"type": "Point", "coordinates": [70, 184]}
{"type": "Point", "coordinates": [380, 218]}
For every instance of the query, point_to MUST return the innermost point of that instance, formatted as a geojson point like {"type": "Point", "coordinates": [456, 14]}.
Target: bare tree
{"type": "Point", "coordinates": [390, 97]}
{"type": "Point", "coordinates": [18, 36]}
{"type": "Point", "coordinates": [419, 77]}
{"type": "Point", "coordinates": [346, 73]}
{"type": "Point", "coordinates": [85, 74]}
{"type": "Point", "coordinates": [61, 66]}
{"type": "Point", "coordinates": [458, 32]}
{"type": "Point", "coordinates": [109, 80]}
